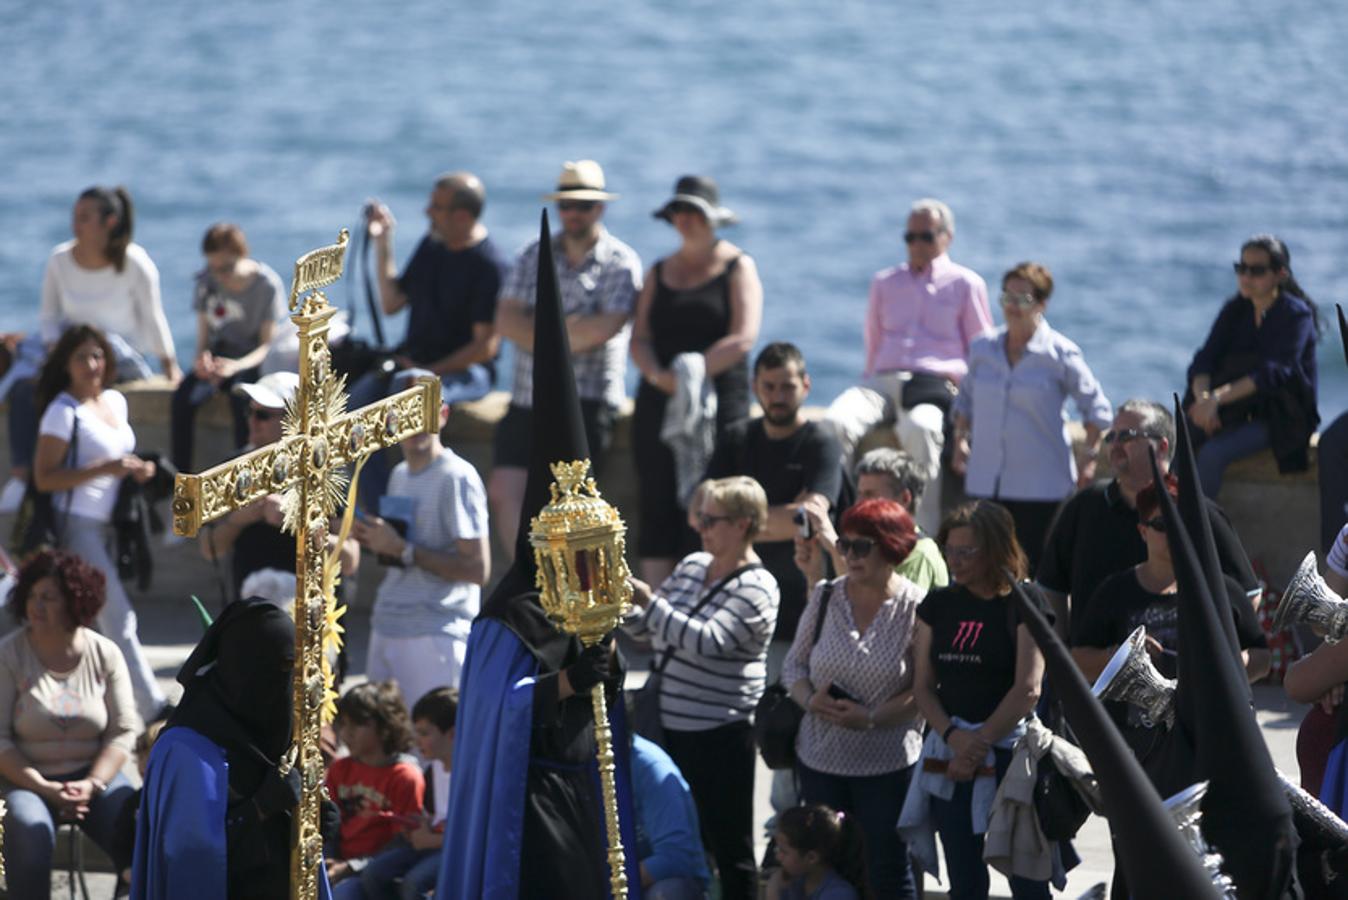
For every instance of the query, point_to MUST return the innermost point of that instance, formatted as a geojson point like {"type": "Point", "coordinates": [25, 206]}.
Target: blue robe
{"type": "Point", "coordinates": [484, 828]}
{"type": "Point", "coordinates": [180, 829]}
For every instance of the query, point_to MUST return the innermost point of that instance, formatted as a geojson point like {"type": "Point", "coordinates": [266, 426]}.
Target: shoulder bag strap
{"type": "Point", "coordinates": [72, 457]}
{"type": "Point", "coordinates": [706, 598]}
{"type": "Point", "coordinates": [823, 610]}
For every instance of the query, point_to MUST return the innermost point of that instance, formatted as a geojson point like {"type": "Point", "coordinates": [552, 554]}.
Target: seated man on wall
{"type": "Point", "coordinates": [921, 318]}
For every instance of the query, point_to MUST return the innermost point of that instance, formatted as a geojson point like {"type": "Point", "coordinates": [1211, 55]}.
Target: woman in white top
{"type": "Point", "coordinates": [76, 406]}
{"type": "Point", "coordinates": [717, 671]}
{"type": "Point", "coordinates": [862, 733]}
{"type": "Point", "coordinates": [101, 278]}
{"type": "Point", "coordinates": [66, 720]}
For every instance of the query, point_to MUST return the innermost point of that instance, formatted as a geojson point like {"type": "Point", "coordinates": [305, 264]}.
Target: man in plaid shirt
{"type": "Point", "coordinates": [599, 278]}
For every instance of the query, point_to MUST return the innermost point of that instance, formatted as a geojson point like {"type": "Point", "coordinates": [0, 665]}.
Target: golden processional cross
{"type": "Point", "coordinates": [307, 467]}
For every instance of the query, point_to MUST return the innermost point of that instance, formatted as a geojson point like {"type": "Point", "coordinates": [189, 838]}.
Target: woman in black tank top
{"type": "Point", "coordinates": [705, 298]}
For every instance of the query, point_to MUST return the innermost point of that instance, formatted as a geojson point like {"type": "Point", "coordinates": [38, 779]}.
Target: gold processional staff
{"type": "Point", "coordinates": [307, 467]}
{"type": "Point", "coordinates": [579, 545]}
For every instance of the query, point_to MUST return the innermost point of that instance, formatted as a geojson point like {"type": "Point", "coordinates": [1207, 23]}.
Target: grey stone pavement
{"type": "Point", "coordinates": [170, 627]}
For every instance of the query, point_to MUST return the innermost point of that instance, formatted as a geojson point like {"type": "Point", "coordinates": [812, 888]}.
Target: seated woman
{"type": "Point", "coordinates": [67, 721]}
{"type": "Point", "coordinates": [102, 278]}
{"type": "Point", "coordinates": [861, 733]}
{"type": "Point", "coordinates": [238, 301]}
{"type": "Point", "coordinates": [977, 679]}
{"type": "Point", "coordinates": [715, 615]}
{"type": "Point", "coordinates": [1010, 438]}
{"type": "Point", "coordinates": [1252, 385]}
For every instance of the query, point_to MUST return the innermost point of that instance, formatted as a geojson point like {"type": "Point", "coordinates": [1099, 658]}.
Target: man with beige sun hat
{"type": "Point", "coordinates": [599, 278]}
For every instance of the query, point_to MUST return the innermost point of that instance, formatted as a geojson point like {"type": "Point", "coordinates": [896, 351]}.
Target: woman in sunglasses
{"type": "Point", "coordinates": [697, 317]}
{"type": "Point", "coordinates": [1252, 384]}
{"type": "Point", "coordinates": [1146, 594]}
{"type": "Point", "coordinates": [710, 623]}
{"type": "Point", "coordinates": [851, 670]}
{"type": "Point", "coordinates": [1011, 442]}
{"type": "Point", "coordinates": [976, 681]}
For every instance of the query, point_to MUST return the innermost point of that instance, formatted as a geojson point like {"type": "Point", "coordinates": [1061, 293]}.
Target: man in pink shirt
{"type": "Point", "coordinates": [921, 318]}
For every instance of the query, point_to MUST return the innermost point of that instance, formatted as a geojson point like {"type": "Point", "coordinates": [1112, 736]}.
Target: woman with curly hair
{"type": "Point", "coordinates": [377, 786]}
{"type": "Point", "coordinates": [67, 722]}
{"type": "Point", "coordinates": [83, 452]}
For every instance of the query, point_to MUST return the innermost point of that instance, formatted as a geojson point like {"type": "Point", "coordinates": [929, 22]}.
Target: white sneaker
{"type": "Point", "coordinates": [11, 496]}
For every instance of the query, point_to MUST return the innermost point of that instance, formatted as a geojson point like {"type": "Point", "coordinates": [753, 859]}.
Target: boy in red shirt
{"type": "Point", "coordinates": [377, 787]}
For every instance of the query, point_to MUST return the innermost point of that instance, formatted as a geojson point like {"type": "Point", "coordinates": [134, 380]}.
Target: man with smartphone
{"type": "Point", "coordinates": [432, 534]}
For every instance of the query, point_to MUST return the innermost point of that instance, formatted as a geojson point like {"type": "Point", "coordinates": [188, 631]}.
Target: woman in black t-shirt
{"type": "Point", "coordinates": [977, 664]}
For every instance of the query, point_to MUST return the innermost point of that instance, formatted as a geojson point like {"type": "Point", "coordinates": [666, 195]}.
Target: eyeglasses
{"type": "Point", "coordinates": [959, 554]}
{"type": "Point", "coordinates": [263, 415]}
{"type": "Point", "coordinates": [858, 547]}
{"type": "Point", "coordinates": [926, 237]}
{"type": "Point", "coordinates": [577, 205]}
{"type": "Point", "coordinates": [1124, 435]}
{"type": "Point", "coordinates": [706, 520]}
{"type": "Point", "coordinates": [1019, 301]}
{"type": "Point", "coordinates": [1157, 524]}
{"type": "Point", "coordinates": [1258, 270]}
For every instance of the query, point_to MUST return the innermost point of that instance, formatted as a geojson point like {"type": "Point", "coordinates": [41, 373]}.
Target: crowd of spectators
{"type": "Point", "coordinates": [772, 547]}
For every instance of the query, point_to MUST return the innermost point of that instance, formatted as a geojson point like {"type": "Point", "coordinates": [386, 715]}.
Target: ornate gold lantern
{"type": "Point", "coordinates": [579, 542]}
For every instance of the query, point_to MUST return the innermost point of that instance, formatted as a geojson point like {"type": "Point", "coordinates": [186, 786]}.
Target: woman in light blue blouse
{"type": "Point", "coordinates": [1011, 438]}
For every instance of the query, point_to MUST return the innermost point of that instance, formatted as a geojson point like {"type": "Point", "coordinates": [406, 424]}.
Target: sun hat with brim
{"type": "Point", "coordinates": [271, 391]}
{"type": "Point", "coordinates": [701, 192]}
{"type": "Point", "coordinates": [583, 180]}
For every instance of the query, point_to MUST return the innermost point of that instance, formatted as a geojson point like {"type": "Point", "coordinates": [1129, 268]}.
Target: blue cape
{"type": "Point", "coordinates": [180, 828]}
{"type": "Point", "coordinates": [485, 823]}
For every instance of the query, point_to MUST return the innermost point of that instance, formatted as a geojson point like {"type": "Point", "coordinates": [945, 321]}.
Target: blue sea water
{"type": "Point", "coordinates": [1130, 147]}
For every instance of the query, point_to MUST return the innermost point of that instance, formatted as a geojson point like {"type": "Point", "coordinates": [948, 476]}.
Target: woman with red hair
{"type": "Point", "coordinates": [67, 720]}
{"type": "Point", "coordinates": [851, 669]}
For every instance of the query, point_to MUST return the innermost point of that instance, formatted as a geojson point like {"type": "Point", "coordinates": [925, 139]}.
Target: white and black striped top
{"type": "Point", "coordinates": [719, 667]}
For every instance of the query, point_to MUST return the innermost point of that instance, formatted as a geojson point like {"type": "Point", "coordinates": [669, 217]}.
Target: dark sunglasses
{"type": "Point", "coordinates": [926, 237]}
{"type": "Point", "coordinates": [1258, 270]}
{"type": "Point", "coordinates": [1018, 301]}
{"type": "Point", "coordinates": [1124, 435]}
{"type": "Point", "coordinates": [1157, 524]}
{"type": "Point", "coordinates": [263, 415]}
{"type": "Point", "coordinates": [577, 205]}
{"type": "Point", "coordinates": [858, 547]}
{"type": "Point", "coordinates": [706, 520]}
{"type": "Point", "coordinates": [680, 206]}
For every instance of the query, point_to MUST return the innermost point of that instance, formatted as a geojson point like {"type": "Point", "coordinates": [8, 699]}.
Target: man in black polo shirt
{"type": "Point", "coordinates": [795, 460]}
{"type": "Point", "coordinates": [1095, 533]}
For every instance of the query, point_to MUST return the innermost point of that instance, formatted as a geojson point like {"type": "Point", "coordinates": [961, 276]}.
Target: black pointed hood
{"type": "Point", "coordinates": [1343, 330]}
{"type": "Point", "coordinates": [558, 435]}
{"type": "Point", "coordinates": [1246, 815]}
{"type": "Point", "coordinates": [1153, 855]}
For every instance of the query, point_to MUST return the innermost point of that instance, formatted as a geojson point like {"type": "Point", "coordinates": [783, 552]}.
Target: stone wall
{"type": "Point", "coordinates": [1277, 516]}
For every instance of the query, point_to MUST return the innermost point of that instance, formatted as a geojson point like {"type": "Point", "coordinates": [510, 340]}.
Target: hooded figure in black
{"type": "Point", "coordinates": [215, 816]}
{"type": "Point", "coordinates": [525, 811]}
{"type": "Point", "coordinates": [1246, 815]}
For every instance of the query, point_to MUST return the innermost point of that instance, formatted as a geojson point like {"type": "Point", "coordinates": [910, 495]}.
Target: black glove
{"type": "Point", "coordinates": [278, 793]}
{"type": "Point", "coordinates": [590, 669]}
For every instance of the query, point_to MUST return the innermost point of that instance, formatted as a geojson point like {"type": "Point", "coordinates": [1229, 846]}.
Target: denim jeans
{"type": "Point", "coordinates": [472, 383]}
{"type": "Point", "coordinates": [876, 801]}
{"type": "Point", "coordinates": [1224, 448]}
{"type": "Point", "coordinates": [681, 888]}
{"type": "Point", "coordinates": [191, 394]}
{"type": "Point", "coordinates": [964, 864]}
{"type": "Point", "coordinates": [398, 872]}
{"type": "Point", "coordinates": [30, 833]}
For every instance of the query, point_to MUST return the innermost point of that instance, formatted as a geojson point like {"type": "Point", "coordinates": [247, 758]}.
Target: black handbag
{"type": "Point", "coordinates": [1060, 807]}
{"type": "Point", "coordinates": [924, 387]}
{"type": "Point", "coordinates": [36, 526]}
{"type": "Point", "coordinates": [643, 716]}
{"type": "Point", "coordinates": [777, 717]}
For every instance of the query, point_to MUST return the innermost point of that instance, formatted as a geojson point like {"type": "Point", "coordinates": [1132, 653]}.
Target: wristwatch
{"type": "Point", "coordinates": [408, 554]}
